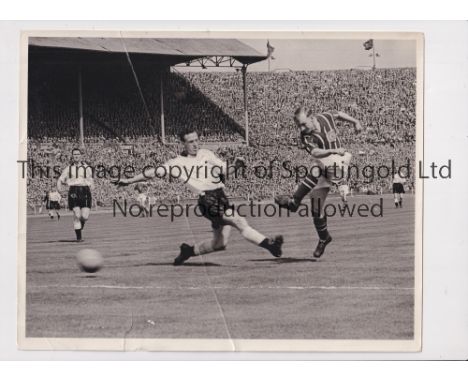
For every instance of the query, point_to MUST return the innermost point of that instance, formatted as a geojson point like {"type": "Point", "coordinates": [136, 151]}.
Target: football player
{"type": "Point", "coordinates": [142, 199]}
{"type": "Point", "coordinates": [212, 200]}
{"type": "Point", "coordinates": [329, 160]}
{"type": "Point", "coordinates": [398, 189]}
{"type": "Point", "coordinates": [343, 189]}
{"type": "Point", "coordinates": [79, 177]}
{"type": "Point", "coordinates": [52, 203]}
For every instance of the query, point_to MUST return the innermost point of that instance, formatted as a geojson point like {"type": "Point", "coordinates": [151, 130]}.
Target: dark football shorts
{"type": "Point", "coordinates": [212, 205]}
{"type": "Point", "coordinates": [79, 196]}
{"type": "Point", "coordinates": [53, 205]}
{"type": "Point", "coordinates": [398, 188]}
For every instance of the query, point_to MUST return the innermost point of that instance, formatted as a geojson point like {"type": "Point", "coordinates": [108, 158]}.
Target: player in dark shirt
{"type": "Point", "coordinates": [320, 138]}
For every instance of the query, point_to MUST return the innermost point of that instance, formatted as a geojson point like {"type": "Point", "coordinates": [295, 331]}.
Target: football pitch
{"type": "Point", "coordinates": [362, 288]}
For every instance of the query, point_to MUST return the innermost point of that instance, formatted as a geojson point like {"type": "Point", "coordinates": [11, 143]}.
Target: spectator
{"type": "Point", "coordinates": [383, 100]}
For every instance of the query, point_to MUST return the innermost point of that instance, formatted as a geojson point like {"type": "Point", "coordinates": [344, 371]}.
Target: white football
{"type": "Point", "coordinates": [89, 260]}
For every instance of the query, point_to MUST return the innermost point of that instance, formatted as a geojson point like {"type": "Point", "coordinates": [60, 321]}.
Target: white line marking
{"type": "Point", "coordinates": [209, 287]}
{"type": "Point", "coordinates": [212, 288]}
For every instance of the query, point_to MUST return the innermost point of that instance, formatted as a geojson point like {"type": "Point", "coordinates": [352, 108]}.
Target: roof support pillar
{"type": "Point", "coordinates": [246, 111]}
{"type": "Point", "coordinates": [80, 106]}
{"type": "Point", "coordinates": [163, 128]}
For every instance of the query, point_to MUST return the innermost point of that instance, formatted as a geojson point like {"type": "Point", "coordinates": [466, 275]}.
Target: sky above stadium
{"type": "Point", "coordinates": [333, 54]}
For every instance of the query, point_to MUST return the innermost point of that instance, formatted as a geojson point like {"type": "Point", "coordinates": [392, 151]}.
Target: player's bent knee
{"type": "Point", "coordinates": [219, 243]}
{"type": "Point", "coordinates": [238, 222]}
{"type": "Point", "coordinates": [219, 247]}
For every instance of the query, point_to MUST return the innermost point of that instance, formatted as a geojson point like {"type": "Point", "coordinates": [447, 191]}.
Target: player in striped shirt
{"type": "Point", "coordinates": [320, 138]}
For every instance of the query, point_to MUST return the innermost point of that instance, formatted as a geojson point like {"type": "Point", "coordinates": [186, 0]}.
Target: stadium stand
{"type": "Point", "coordinates": [119, 115]}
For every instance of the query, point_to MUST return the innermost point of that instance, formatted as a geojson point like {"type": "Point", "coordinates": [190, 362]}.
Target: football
{"type": "Point", "coordinates": [89, 260]}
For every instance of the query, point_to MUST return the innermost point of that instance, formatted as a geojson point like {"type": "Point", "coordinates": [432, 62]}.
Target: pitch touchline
{"type": "Point", "coordinates": [224, 287]}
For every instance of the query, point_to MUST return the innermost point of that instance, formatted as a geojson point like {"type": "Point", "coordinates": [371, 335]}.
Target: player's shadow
{"type": "Point", "coordinates": [286, 260]}
{"type": "Point", "coordinates": [122, 255]}
{"type": "Point", "coordinates": [172, 264]}
{"type": "Point", "coordinates": [60, 241]}
{"type": "Point", "coordinates": [42, 272]}
{"type": "Point", "coordinates": [200, 265]}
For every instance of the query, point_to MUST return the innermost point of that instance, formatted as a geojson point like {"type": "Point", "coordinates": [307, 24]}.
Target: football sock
{"type": "Point", "coordinates": [321, 227]}
{"type": "Point", "coordinates": [252, 235]}
{"type": "Point", "coordinates": [203, 247]}
{"type": "Point", "coordinates": [266, 243]}
{"type": "Point", "coordinates": [304, 188]}
{"type": "Point", "coordinates": [206, 247]}
{"type": "Point", "coordinates": [401, 202]}
{"type": "Point", "coordinates": [78, 234]}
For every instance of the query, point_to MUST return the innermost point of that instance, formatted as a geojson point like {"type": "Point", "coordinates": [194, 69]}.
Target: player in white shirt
{"type": "Point", "coordinates": [79, 177]}
{"type": "Point", "coordinates": [152, 200]}
{"type": "Point", "coordinates": [52, 203]}
{"type": "Point", "coordinates": [142, 199]}
{"type": "Point", "coordinates": [398, 189]}
{"type": "Point", "coordinates": [202, 171]}
{"type": "Point", "coordinates": [343, 189]}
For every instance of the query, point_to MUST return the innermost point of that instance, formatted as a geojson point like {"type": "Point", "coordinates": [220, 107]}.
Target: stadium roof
{"type": "Point", "coordinates": [170, 50]}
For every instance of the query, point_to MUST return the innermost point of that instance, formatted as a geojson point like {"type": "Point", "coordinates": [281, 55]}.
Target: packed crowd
{"type": "Point", "coordinates": [383, 100]}
{"type": "Point", "coordinates": [116, 104]}
{"type": "Point", "coordinates": [122, 122]}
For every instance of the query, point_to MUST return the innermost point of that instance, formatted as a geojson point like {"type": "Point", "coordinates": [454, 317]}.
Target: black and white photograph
{"type": "Point", "coordinates": [223, 191]}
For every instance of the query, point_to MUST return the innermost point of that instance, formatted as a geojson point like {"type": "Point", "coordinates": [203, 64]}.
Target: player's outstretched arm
{"type": "Point", "coordinates": [144, 176]}
{"type": "Point", "coordinates": [323, 153]}
{"type": "Point", "coordinates": [346, 117]}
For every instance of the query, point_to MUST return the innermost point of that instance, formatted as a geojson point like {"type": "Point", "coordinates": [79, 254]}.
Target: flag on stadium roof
{"type": "Point", "coordinates": [270, 50]}
{"type": "Point", "coordinates": [369, 44]}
